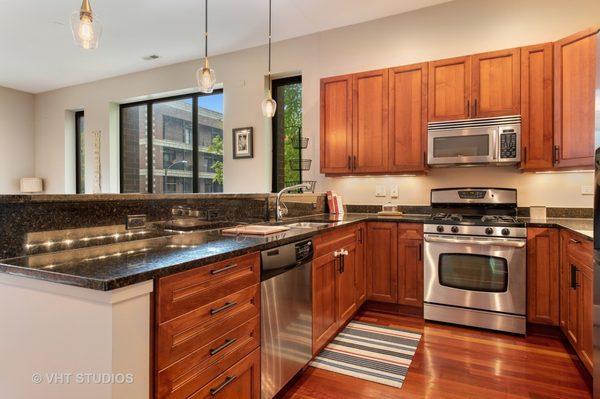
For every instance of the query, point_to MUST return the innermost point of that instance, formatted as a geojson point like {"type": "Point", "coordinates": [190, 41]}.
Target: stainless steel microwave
{"type": "Point", "coordinates": [488, 141]}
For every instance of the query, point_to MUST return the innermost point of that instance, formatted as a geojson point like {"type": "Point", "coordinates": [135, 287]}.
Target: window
{"type": "Point", "coordinates": [173, 145]}
{"type": "Point", "coordinates": [287, 132]}
{"type": "Point", "coordinates": [79, 152]}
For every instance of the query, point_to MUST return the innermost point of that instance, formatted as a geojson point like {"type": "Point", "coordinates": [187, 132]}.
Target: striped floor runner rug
{"type": "Point", "coordinates": [370, 352]}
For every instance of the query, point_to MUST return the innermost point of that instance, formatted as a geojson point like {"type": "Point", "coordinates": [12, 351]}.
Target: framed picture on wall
{"type": "Point", "coordinates": [243, 146]}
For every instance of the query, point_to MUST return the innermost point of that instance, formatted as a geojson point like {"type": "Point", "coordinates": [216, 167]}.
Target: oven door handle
{"type": "Point", "coordinates": [498, 243]}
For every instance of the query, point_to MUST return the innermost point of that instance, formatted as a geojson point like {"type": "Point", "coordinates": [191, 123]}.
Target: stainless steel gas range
{"type": "Point", "coordinates": [475, 259]}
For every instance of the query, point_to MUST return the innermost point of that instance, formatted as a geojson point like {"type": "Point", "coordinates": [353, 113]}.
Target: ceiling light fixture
{"type": "Point", "coordinates": [86, 27]}
{"type": "Point", "coordinates": [269, 106]}
{"type": "Point", "coordinates": [205, 75]}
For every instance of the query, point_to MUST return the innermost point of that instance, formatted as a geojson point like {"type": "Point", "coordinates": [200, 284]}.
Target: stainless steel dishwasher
{"type": "Point", "coordinates": [286, 314]}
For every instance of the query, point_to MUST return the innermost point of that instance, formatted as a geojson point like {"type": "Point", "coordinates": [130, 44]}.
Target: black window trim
{"type": "Point", "coordinates": [276, 83]}
{"type": "Point", "coordinates": [78, 188]}
{"type": "Point", "coordinates": [148, 103]}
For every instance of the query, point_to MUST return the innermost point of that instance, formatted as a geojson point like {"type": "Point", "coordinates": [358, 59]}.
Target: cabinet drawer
{"type": "Point", "coordinates": [193, 372]}
{"type": "Point", "coordinates": [581, 249]}
{"type": "Point", "coordinates": [184, 292]}
{"type": "Point", "coordinates": [410, 231]}
{"type": "Point", "coordinates": [333, 241]}
{"type": "Point", "coordinates": [241, 381]}
{"type": "Point", "coordinates": [181, 336]}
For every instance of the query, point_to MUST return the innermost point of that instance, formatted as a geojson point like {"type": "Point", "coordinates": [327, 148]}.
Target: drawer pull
{"type": "Point", "coordinates": [574, 241]}
{"type": "Point", "coordinates": [228, 305]}
{"type": "Point", "coordinates": [218, 349]}
{"type": "Point", "coordinates": [228, 380]}
{"type": "Point", "coordinates": [223, 269]}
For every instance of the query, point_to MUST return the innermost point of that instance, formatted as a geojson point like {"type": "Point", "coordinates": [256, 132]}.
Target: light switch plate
{"type": "Point", "coordinates": [587, 190]}
{"type": "Point", "coordinates": [394, 191]}
{"type": "Point", "coordinates": [380, 191]}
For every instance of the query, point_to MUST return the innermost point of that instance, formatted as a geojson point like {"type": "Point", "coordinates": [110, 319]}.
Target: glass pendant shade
{"type": "Point", "coordinates": [86, 27]}
{"type": "Point", "coordinates": [269, 106]}
{"type": "Point", "coordinates": [206, 78]}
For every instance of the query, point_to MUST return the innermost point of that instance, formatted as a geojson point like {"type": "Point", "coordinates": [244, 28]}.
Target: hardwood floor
{"type": "Point", "coordinates": [456, 362]}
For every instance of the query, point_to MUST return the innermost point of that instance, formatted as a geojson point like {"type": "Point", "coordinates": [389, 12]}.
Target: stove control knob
{"type": "Point", "coordinates": [440, 229]}
{"type": "Point", "coordinates": [489, 231]}
{"type": "Point", "coordinates": [454, 229]}
{"type": "Point", "coordinates": [505, 232]}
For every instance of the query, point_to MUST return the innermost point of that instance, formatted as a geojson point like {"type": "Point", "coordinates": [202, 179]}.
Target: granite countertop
{"type": "Point", "coordinates": [107, 267]}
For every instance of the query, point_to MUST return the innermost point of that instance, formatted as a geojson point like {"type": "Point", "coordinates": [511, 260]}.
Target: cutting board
{"type": "Point", "coordinates": [255, 230]}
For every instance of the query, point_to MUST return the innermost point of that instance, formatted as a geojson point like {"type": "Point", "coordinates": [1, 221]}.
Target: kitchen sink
{"type": "Point", "coordinates": [307, 225]}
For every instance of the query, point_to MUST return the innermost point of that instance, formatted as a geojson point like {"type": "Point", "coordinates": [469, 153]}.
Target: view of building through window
{"type": "Point", "coordinates": [287, 132]}
{"type": "Point", "coordinates": [186, 145]}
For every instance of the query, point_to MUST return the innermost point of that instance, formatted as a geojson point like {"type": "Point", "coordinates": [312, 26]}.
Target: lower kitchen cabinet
{"type": "Point", "coordinates": [338, 281]}
{"type": "Point", "coordinates": [410, 264]}
{"type": "Point", "coordinates": [382, 262]}
{"type": "Point", "coordinates": [543, 276]}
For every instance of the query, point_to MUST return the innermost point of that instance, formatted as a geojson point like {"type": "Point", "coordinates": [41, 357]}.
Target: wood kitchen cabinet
{"type": "Point", "coordinates": [449, 94]}
{"type": "Point", "coordinates": [370, 122]}
{"type": "Point", "coordinates": [382, 262]}
{"type": "Point", "coordinates": [410, 264]}
{"type": "Point", "coordinates": [537, 127]}
{"type": "Point", "coordinates": [408, 118]}
{"type": "Point", "coordinates": [336, 124]}
{"type": "Point", "coordinates": [339, 260]}
{"type": "Point", "coordinates": [574, 99]}
{"type": "Point", "coordinates": [543, 276]}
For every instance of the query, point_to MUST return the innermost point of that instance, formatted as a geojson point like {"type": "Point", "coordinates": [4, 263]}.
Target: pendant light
{"type": "Point", "coordinates": [206, 75]}
{"type": "Point", "coordinates": [86, 27]}
{"type": "Point", "coordinates": [269, 106]}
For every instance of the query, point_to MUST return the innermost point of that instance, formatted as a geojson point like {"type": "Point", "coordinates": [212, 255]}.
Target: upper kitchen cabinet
{"type": "Point", "coordinates": [574, 83]}
{"type": "Point", "coordinates": [496, 84]}
{"type": "Point", "coordinates": [370, 122]}
{"type": "Point", "coordinates": [336, 124]}
{"type": "Point", "coordinates": [536, 107]}
{"type": "Point", "coordinates": [408, 118]}
{"type": "Point", "coordinates": [450, 89]}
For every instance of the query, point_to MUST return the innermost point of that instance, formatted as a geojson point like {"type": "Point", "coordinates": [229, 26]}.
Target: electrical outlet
{"type": "Point", "coordinates": [380, 191]}
{"type": "Point", "coordinates": [587, 190]}
{"type": "Point", "coordinates": [394, 191]}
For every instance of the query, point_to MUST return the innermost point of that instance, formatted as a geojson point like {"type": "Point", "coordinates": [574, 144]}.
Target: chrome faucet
{"type": "Point", "coordinates": [280, 208]}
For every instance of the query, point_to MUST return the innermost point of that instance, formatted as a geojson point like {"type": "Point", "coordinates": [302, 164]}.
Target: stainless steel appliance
{"type": "Point", "coordinates": [286, 314]}
{"type": "Point", "coordinates": [475, 259]}
{"type": "Point", "coordinates": [495, 141]}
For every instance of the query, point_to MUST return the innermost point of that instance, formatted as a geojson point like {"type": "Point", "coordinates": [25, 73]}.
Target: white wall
{"type": "Point", "coordinates": [16, 138]}
{"type": "Point", "coordinates": [451, 29]}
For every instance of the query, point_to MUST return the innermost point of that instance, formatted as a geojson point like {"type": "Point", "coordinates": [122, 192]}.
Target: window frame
{"type": "Point", "coordinates": [78, 189]}
{"type": "Point", "coordinates": [150, 167]}
{"type": "Point", "coordinates": [276, 83]}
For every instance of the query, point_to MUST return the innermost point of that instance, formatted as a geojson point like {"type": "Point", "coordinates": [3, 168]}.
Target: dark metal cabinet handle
{"type": "Point", "coordinates": [555, 155]}
{"type": "Point", "coordinates": [353, 162]}
{"type": "Point", "coordinates": [475, 107]}
{"type": "Point", "coordinates": [360, 236]}
{"type": "Point", "coordinates": [468, 108]}
{"type": "Point", "coordinates": [420, 252]}
{"type": "Point", "coordinates": [349, 162]}
{"type": "Point", "coordinates": [218, 349]}
{"type": "Point", "coordinates": [228, 380]}
{"type": "Point", "coordinates": [223, 269]}
{"type": "Point", "coordinates": [574, 271]}
{"type": "Point", "coordinates": [228, 305]}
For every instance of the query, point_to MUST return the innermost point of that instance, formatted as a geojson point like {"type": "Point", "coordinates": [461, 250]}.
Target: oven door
{"type": "Point", "coordinates": [483, 273]}
{"type": "Point", "coordinates": [462, 146]}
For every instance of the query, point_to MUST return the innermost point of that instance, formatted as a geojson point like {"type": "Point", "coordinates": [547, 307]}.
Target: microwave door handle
{"type": "Point", "coordinates": [497, 243]}
{"type": "Point", "coordinates": [495, 149]}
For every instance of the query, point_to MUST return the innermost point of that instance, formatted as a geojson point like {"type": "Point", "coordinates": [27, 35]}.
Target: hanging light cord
{"type": "Point", "coordinates": [205, 28]}
{"type": "Point", "coordinates": [270, 45]}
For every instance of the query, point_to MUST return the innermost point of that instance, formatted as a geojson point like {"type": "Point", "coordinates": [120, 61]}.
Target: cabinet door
{"type": "Point", "coordinates": [345, 284]}
{"type": "Point", "coordinates": [360, 278]}
{"type": "Point", "coordinates": [370, 122]}
{"type": "Point", "coordinates": [410, 264]}
{"type": "Point", "coordinates": [382, 262]}
{"type": "Point", "coordinates": [496, 84]}
{"type": "Point", "coordinates": [336, 124]}
{"type": "Point", "coordinates": [542, 276]}
{"type": "Point", "coordinates": [586, 293]}
{"type": "Point", "coordinates": [324, 300]}
{"type": "Point", "coordinates": [537, 125]}
{"type": "Point", "coordinates": [408, 118]}
{"type": "Point", "coordinates": [574, 85]}
{"type": "Point", "coordinates": [449, 89]}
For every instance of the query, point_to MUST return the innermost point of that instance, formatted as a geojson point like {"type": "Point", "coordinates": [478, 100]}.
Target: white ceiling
{"type": "Point", "coordinates": [38, 53]}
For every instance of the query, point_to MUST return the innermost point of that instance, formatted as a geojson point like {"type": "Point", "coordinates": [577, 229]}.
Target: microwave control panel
{"type": "Point", "coordinates": [508, 144]}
